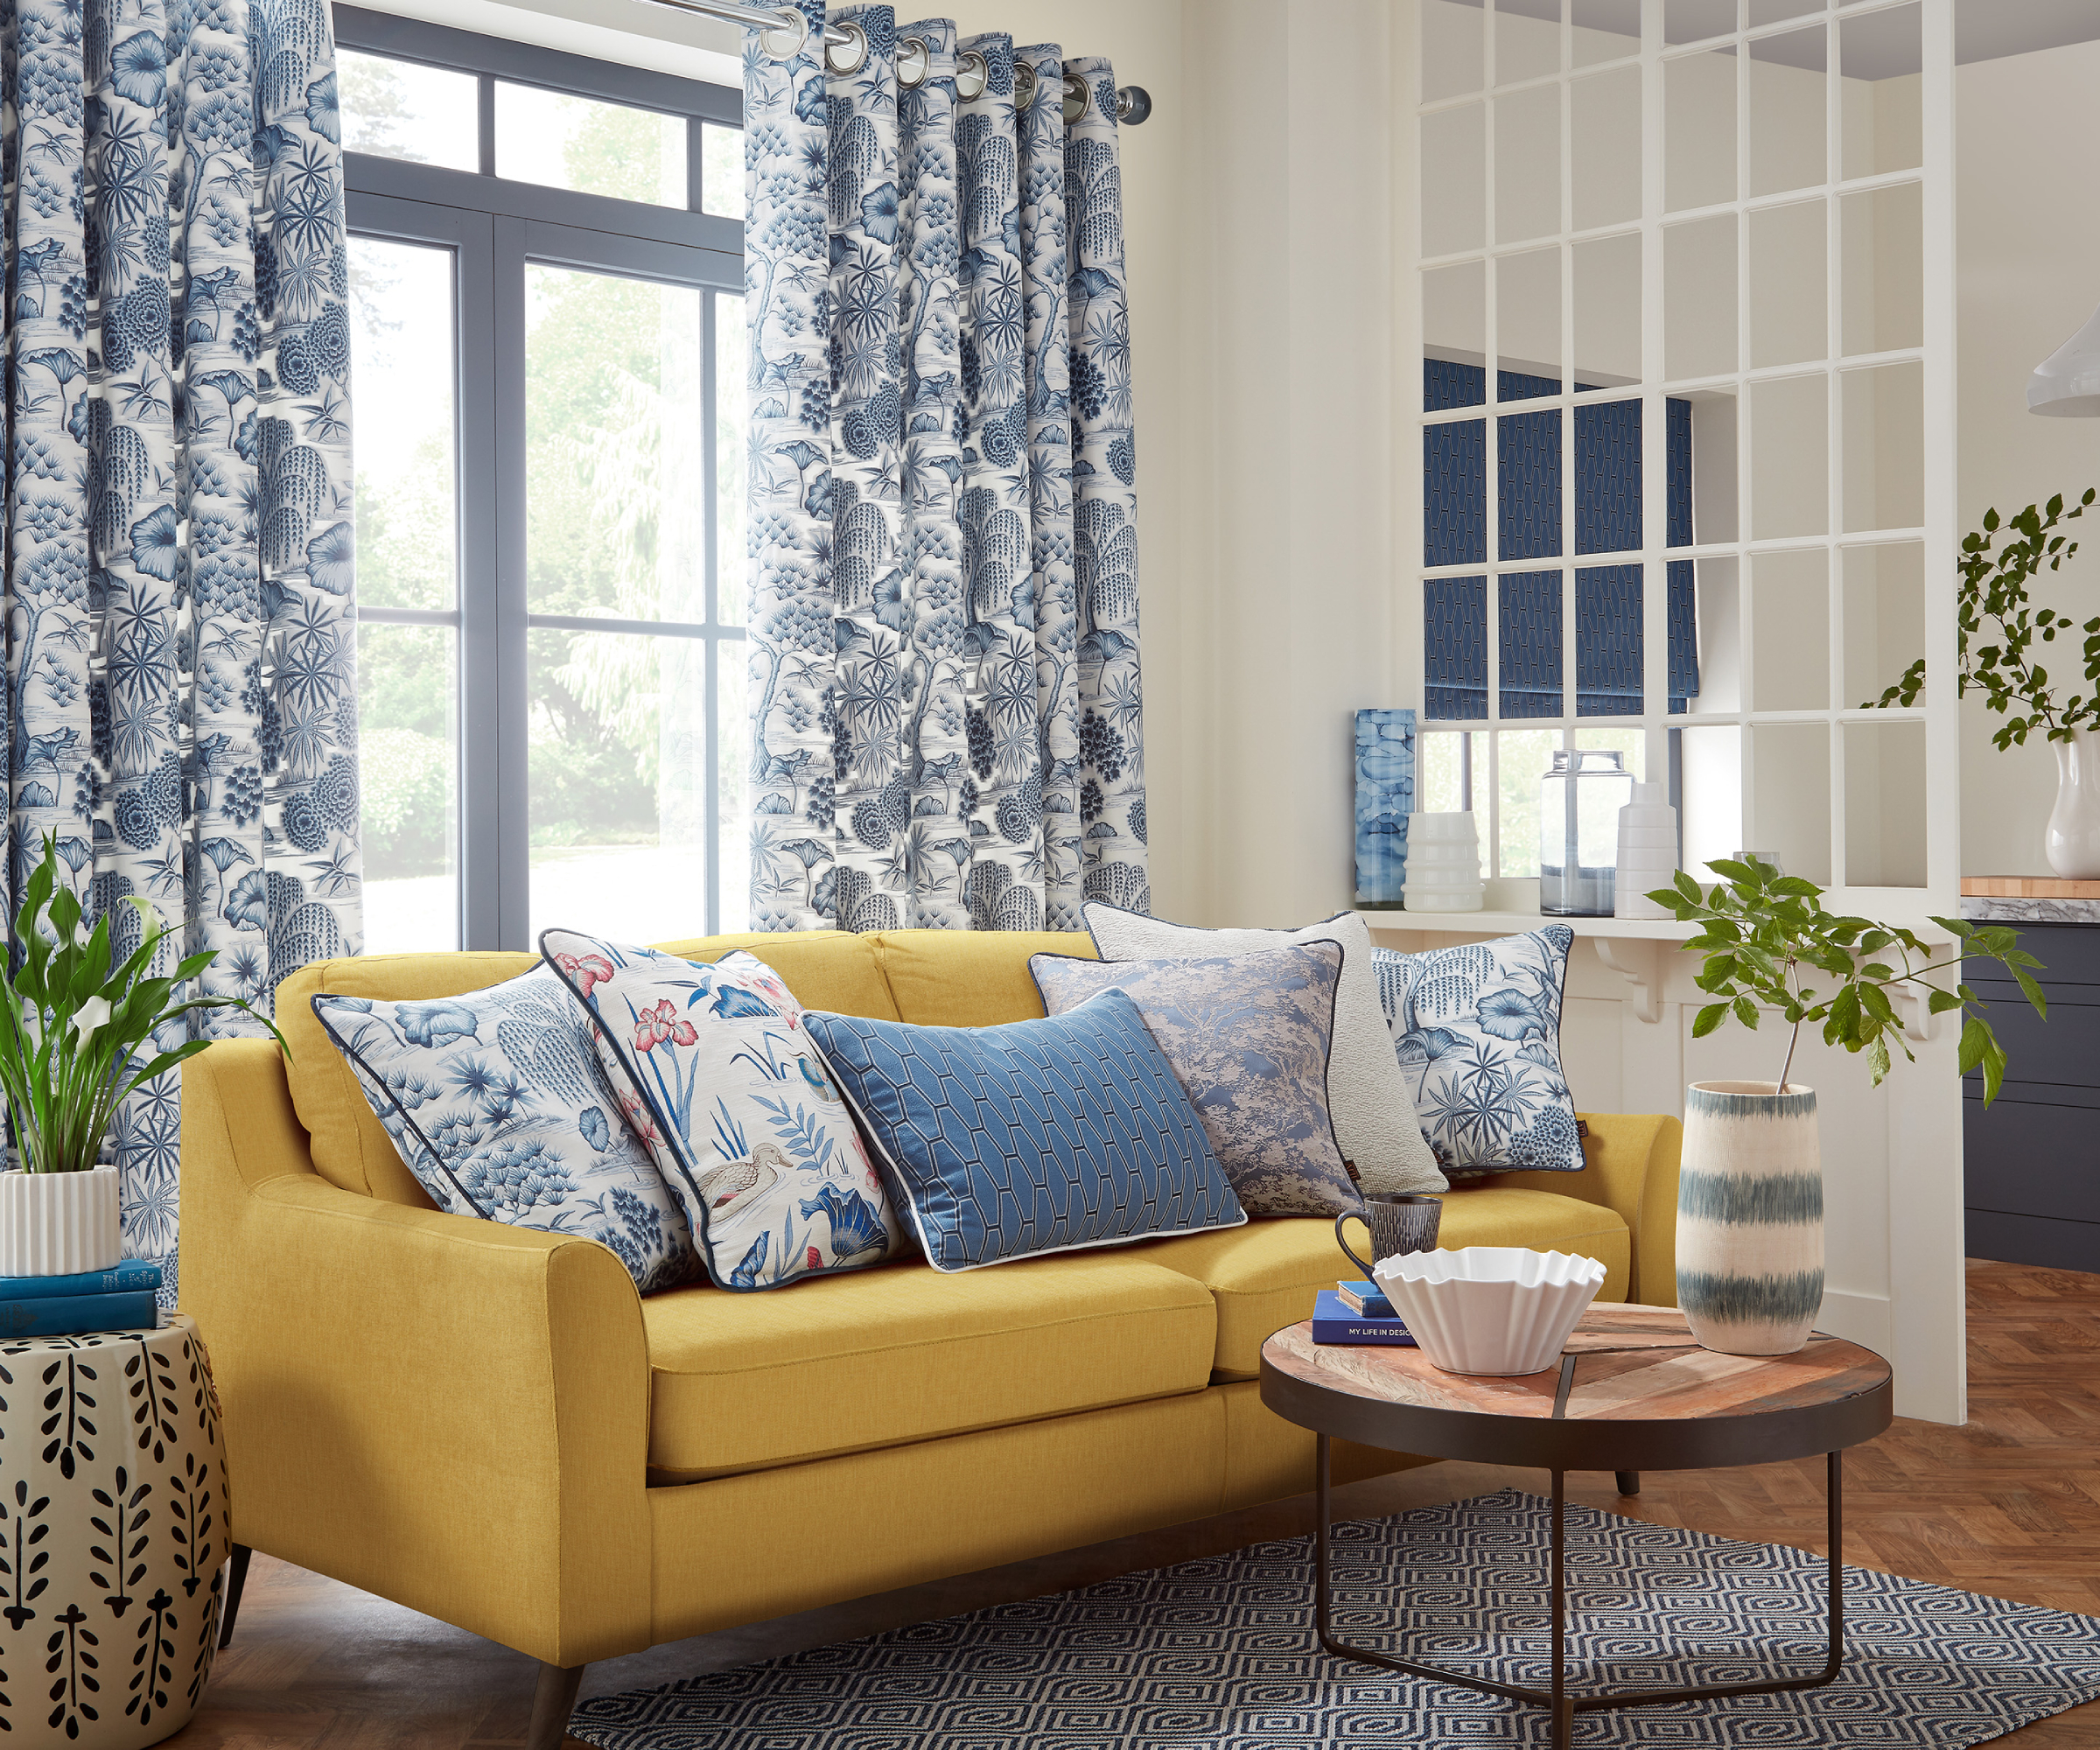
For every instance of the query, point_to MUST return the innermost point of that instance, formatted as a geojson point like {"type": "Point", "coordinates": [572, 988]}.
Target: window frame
{"type": "Point", "coordinates": [496, 230]}
{"type": "Point", "coordinates": [1481, 762]}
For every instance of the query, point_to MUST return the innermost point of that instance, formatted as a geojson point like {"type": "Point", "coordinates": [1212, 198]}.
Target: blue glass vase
{"type": "Point", "coordinates": [1385, 796]}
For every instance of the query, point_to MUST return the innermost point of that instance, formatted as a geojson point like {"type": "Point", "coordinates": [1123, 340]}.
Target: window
{"type": "Point", "coordinates": [546, 275]}
{"type": "Point", "coordinates": [1673, 401]}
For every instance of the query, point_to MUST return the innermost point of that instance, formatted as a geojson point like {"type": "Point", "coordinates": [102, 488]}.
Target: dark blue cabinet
{"type": "Point", "coordinates": [2032, 1163]}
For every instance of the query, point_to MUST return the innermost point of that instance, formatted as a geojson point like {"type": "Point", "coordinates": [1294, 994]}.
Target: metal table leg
{"type": "Point", "coordinates": [1564, 1706]}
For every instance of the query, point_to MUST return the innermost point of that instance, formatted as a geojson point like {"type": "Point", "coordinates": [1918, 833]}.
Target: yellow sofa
{"type": "Point", "coordinates": [488, 1423]}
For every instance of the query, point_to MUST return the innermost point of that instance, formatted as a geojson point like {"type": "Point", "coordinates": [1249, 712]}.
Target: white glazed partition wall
{"type": "Point", "coordinates": [1732, 208]}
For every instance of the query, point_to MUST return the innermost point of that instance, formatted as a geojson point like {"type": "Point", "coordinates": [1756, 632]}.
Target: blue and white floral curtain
{"type": "Point", "coordinates": [181, 697]}
{"type": "Point", "coordinates": [946, 716]}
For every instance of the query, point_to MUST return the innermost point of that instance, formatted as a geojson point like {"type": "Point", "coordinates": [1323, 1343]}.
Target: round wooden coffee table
{"type": "Point", "coordinates": [1632, 1392]}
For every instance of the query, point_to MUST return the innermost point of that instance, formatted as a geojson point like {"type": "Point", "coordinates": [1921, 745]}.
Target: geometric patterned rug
{"type": "Point", "coordinates": [1221, 1653]}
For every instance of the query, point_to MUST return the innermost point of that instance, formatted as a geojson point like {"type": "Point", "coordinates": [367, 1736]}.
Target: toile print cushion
{"type": "Point", "coordinates": [715, 1069]}
{"type": "Point", "coordinates": [496, 1104]}
{"type": "Point", "coordinates": [1476, 1031]}
{"type": "Point", "coordinates": [1045, 1136]}
{"type": "Point", "coordinates": [1375, 1125]}
{"type": "Point", "coordinates": [1247, 1035]}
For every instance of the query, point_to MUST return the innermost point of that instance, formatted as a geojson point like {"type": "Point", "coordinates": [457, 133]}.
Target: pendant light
{"type": "Point", "coordinates": [2066, 385]}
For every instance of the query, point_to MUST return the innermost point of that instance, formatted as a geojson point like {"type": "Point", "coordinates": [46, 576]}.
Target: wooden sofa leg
{"type": "Point", "coordinates": [236, 1578]}
{"type": "Point", "coordinates": [552, 1703]}
{"type": "Point", "coordinates": [1630, 1482]}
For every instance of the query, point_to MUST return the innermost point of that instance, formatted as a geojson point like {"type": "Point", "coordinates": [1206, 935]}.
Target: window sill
{"type": "Point", "coordinates": [1515, 923]}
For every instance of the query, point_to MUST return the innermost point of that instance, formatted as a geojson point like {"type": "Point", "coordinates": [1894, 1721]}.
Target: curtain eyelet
{"type": "Point", "coordinates": [847, 57]}
{"type": "Point", "coordinates": [784, 41]}
{"type": "Point", "coordinates": [914, 63]}
{"type": "Point", "coordinates": [971, 75]}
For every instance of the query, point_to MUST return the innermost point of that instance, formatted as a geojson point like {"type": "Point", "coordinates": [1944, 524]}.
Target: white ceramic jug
{"type": "Point", "coordinates": [2073, 835]}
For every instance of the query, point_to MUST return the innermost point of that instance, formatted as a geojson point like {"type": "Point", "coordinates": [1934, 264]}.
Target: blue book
{"type": "Point", "coordinates": [126, 1279]}
{"type": "Point", "coordinates": [1367, 1299]}
{"type": "Point", "coordinates": [1333, 1321]}
{"type": "Point", "coordinates": [73, 1315]}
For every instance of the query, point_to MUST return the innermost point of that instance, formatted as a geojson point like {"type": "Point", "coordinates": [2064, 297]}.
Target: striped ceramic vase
{"type": "Point", "coordinates": [1750, 1217]}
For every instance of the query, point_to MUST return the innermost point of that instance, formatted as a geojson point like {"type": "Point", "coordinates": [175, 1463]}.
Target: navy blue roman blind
{"type": "Point", "coordinates": [1609, 648]}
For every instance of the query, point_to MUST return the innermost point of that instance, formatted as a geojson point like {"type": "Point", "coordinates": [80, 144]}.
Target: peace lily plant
{"type": "Point", "coordinates": [72, 1031]}
{"type": "Point", "coordinates": [1750, 1194]}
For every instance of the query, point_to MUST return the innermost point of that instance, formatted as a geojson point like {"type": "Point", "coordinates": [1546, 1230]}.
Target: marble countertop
{"type": "Point", "coordinates": [2026, 911]}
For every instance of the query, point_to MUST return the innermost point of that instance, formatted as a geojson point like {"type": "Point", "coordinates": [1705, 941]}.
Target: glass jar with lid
{"type": "Point", "coordinates": [1578, 807]}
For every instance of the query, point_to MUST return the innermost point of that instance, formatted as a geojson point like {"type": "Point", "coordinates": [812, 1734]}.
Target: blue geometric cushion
{"type": "Point", "coordinates": [1477, 1031]}
{"type": "Point", "coordinates": [497, 1105]}
{"type": "Point", "coordinates": [1045, 1136]}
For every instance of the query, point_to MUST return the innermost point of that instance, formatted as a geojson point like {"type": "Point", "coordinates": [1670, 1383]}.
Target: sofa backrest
{"type": "Point", "coordinates": [929, 978]}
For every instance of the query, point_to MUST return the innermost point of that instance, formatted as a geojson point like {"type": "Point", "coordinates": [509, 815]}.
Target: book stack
{"type": "Point", "coordinates": [118, 1299]}
{"type": "Point", "coordinates": [1357, 1312]}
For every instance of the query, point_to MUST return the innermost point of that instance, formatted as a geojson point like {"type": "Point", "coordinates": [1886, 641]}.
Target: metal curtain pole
{"type": "Point", "coordinates": [784, 32]}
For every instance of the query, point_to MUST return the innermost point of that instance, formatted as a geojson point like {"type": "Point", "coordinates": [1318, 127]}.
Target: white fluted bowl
{"type": "Point", "coordinates": [1499, 1310]}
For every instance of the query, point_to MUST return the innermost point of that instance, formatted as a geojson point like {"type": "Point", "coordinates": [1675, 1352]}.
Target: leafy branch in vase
{"type": "Point", "coordinates": [1763, 933]}
{"type": "Point", "coordinates": [1993, 601]}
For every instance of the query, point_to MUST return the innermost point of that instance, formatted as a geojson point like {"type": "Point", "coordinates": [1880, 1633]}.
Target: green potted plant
{"type": "Point", "coordinates": [74, 1041]}
{"type": "Point", "coordinates": [1750, 1192]}
{"type": "Point", "coordinates": [1997, 628]}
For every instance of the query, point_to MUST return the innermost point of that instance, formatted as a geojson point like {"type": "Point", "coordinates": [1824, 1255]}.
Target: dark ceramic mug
{"type": "Point", "coordinates": [1400, 1222]}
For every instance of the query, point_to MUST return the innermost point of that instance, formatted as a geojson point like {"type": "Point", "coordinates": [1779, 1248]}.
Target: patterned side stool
{"type": "Point", "coordinates": [113, 1536]}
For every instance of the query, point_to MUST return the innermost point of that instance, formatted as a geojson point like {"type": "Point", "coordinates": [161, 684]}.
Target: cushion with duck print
{"type": "Point", "coordinates": [498, 1106]}
{"type": "Point", "coordinates": [717, 1073]}
{"type": "Point", "coordinates": [1476, 1031]}
{"type": "Point", "coordinates": [1044, 1136]}
{"type": "Point", "coordinates": [1248, 1036]}
{"type": "Point", "coordinates": [1374, 1127]}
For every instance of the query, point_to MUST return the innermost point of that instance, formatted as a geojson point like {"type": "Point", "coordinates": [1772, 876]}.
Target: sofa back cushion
{"type": "Point", "coordinates": [826, 968]}
{"type": "Point", "coordinates": [964, 979]}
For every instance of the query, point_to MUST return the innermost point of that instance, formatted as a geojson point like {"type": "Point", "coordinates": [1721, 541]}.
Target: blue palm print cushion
{"type": "Point", "coordinates": [1248, 1036]}
{"type": "Point", "coordinates": [714, 1067]}
{"type": "Point", "coordinates": [1477, 1032]}
{"type": "Point", "coordinates": [1045, 1136]}
{"type": "Point", "coordinates": [498, 1106]}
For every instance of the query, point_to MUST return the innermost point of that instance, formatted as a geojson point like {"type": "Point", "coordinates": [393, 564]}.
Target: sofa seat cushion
{"type": "Point", "coordinates": [1264, 1275]}
{"type": "Point", "coordinates": [902, 1352]}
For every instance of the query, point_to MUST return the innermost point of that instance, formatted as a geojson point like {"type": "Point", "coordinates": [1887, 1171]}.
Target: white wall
{"type": "Point", "coordinates": [2029, 135]}
{"type": "Point", "coordinates": [1287, 534]}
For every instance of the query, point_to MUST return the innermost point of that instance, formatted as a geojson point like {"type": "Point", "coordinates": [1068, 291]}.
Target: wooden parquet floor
{"type": "Point", "coordinates": [2009, 1505]}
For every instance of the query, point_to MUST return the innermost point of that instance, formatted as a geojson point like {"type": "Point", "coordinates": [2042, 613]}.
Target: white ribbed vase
{"type": "Point", "coordinates": [59, 1223]}
{"type": "Point", "coordinates": [1443, 863]}
{"type": "Point", "coordinates": [1648, 852]}
{"type": "Point", "coordinates": [1750, 1217]}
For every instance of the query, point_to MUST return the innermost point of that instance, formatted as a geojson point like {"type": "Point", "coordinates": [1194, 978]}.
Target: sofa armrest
{"type": "Point", "coordinates": [450, 1413]}
{"type": "Point", "coordinates": [1633, 1171]}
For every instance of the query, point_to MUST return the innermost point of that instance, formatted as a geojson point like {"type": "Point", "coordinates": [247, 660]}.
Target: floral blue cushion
{"type": "Point", "coordinates": [714, 1066]}
{"type": "Point", "coordinates": [497, 1105]}
{"type": "Point", "coordinates": [1038, 1136]}
{"type": "Point", "coordinates": [1477, 1032]}
{"type": "Point", "coordinates": [1248, 1035]}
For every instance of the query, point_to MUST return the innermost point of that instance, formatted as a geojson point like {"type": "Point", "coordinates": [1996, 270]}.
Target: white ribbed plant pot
{"type": "Point", "coordinates": [1750, 1217]}
{"type": "Point", "coordinates": [2073, 841]}
{"type": "Point", "coordinates": [59, 1223]}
